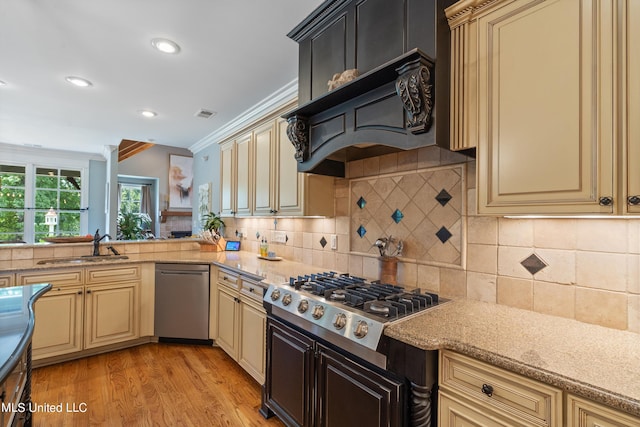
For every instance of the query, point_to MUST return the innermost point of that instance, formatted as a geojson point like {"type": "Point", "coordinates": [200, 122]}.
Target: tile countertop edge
{"type": "Point", "coordinates": [431, 330]}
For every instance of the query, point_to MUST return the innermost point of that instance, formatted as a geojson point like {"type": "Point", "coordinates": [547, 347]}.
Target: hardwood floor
{"type": "Point", "coordinates": [149, 385]}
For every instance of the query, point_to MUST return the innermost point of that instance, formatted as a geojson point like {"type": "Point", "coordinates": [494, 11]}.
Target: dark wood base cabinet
{"type": "Point", "coordinates": [311, 384]}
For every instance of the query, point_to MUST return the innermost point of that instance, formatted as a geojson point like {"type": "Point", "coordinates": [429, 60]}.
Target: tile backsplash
{"type": "Point", "coordinates": [586, 269]}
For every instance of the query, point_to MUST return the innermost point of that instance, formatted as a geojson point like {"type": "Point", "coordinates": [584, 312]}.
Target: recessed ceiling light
{"type": "Point", "coordinates": [78, 81]}
{"type": "Point", "coordinates": [2, 83]}
{"type": "Point", "coordinates": [148, 113]}
{"type": "Point", "coordinates": [165, 45]}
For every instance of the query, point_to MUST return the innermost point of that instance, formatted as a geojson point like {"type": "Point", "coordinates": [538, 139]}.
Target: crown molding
{"type": "Point", "coordinates": [273, 102]}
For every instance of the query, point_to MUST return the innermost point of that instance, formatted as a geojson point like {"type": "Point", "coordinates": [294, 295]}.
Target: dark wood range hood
{"type": "Point", "coordinates": [400, 99]}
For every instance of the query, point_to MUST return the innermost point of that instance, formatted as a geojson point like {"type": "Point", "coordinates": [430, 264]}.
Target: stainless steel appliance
{"type": "Point", "coordinates": [182, 303]}
{"type": "Point", "coordinates": [328, 362]}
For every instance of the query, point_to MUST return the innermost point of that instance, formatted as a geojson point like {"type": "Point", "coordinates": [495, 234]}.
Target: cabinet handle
{"type": "Point", "coordinates": [252, 290]}
{"type": "Point", "coordinates": [487, 389]}
{"type": "Point", "coordinates": [605, 201]}
{"type": "Point", "coordinates": [634, 200]}
{"type": "Point", "coordinates": [79, 292]}
{"type": "Point", "coordinates": [225, 277]}
{"type": "Point", "coordinates": [89, 291]}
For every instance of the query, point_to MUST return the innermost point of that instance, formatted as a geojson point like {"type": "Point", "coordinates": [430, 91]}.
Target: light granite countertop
{"type": "Point", "coordinates": [592, 361]}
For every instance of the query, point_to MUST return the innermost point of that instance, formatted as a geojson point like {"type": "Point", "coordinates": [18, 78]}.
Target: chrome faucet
{"type": "Point", "coordinates": [96, 242]}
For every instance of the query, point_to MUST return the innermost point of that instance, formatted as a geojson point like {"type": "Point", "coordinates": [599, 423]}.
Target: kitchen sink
{"type": "Point", "coordinates": [82, 259]}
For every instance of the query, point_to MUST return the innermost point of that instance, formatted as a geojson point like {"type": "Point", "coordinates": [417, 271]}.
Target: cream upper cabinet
{"type": "Point", "coordinates": [630, 111]}
{"type": "Point", "coordinates": [534, 90]}
{"type": "Point", "coordinates": [259, 176]}
{"type": "Point", "coordinates": [264, 168]}
{"type": "Point", "coordinates": [227, 180]}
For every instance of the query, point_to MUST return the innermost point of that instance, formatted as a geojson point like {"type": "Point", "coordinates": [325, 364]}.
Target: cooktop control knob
{"type": "Point", "coordinates": [318, 311]}
{"type": "Point", "coordinates": [303, 306]}
{"type": "Point", "coordinates": [361, 329]}
{"type": "Point", "coordinates": [286, 299]}
{"type": "Point", "coordinates": [275, 294]}
{"type": "Point", "coordinates": [339, 321]}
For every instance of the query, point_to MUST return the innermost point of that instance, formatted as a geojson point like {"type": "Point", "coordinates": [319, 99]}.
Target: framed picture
{"type": "Point", "coordinates": [180, 181]}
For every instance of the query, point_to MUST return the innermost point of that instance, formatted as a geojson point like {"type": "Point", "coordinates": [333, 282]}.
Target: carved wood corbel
{"type": "Point", "coordinates": [415, 90]}
{"type": "Point", "coordinates": [298, 133]}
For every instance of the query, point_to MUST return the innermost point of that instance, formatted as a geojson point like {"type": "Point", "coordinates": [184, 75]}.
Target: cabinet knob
{"type": "Point", "coordinates": [634, 200]}
{"type": "Point", "coordinates": [487, 389]}
{"type": "Point", "coordinates": [605, 201]}
{"type": "Point", "coordinates": [88, 291]}
{"type": "Point", "coordinates": [79, 292]}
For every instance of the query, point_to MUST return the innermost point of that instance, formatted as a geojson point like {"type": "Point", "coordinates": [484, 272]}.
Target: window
{"type": "Point", "coordinates": [130, 198]}
{"type": "Point", "coordinates": [27, 192]}
{"type": "Point", "coordinates": [58, 189]}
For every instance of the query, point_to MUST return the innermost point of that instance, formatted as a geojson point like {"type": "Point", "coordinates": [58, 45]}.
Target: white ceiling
{"type": "Point", "coordinates": [235, 53]}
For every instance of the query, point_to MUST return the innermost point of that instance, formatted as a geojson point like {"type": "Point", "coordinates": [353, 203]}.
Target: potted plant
{"type": "Point", "coordinates": [132, 225]}
{"type": "Point", "coordinates": [212, 240]}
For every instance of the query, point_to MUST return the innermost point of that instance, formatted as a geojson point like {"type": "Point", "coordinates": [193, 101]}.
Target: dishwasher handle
{"type": "Point", "coordinates": [183, 273]}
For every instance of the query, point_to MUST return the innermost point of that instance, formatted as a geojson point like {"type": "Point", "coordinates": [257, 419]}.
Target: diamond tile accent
{"type": "Point", "coordinates": [361, 202]}
{"type": "Point", "coordinates": [443, 234]}
{"type": "Point", "coordinates": [323, 242]}
{"type": "Point", "coordinates": [533, 264]}
{"type": "Point", "coordinates": [443, 197]}
{"type": "Point", "coordinates": [361, 231]}
{"type": "Point", "coordinates": [397, 216]}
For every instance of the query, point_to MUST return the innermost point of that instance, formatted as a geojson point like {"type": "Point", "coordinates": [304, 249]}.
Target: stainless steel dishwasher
{"type": "Point", "coordinates": [182, 303]}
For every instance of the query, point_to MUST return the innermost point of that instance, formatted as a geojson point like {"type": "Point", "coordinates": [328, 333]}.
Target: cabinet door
{"type": "Point", "coordinates": [243, 176]}
{"type": "Point", "coordinates": [264, 190]}
{"type": "Point", "coordinates": [58, 328]}
{"type": "Point", "coordinates": [350, 394]}
{"type": "Point", "coordinates": [631, 108]}
{"type": "Point", "coordinates": [290, 374]}
{"type": "Point", "coordinates": [228, 321]}
{"type": "Point", "coordinates": [454, 411]}
{"type": "Point", "coordinates": [584, 413]}
{"type": "Point", "coordinates": [111, 313]}
{"type": "Point", "coordinates": [289, 183]}
{"type": "Point", "coordinates": [545, 116]}
{"type": "Point", "coordinates": [251, 351]}
{"type": "Point", "coordinates": [227, 181]}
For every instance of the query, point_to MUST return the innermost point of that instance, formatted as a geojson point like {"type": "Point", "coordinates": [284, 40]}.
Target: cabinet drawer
{"type": "Point", "coordinates": [252, 290]}
{"type": "Point", "coordinates": [228, 278]}
{"type": "Point", "coordinates": [113, 274]}
{"type": "Point", "coordinates": [65, 277]}
{"type": "Point", "coordinates": [512, 394]}
{"type": "Point", "coordinates": [585, 413]}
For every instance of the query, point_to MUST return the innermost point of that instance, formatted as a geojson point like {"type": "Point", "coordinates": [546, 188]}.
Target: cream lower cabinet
{"type": "Point", "coordinates": [536, 89]}
{"type": "Point", "coordinates": [85, 309]}
{"type": "Point", "coordinates": [241, 322]}
{"type": "Point", "coordinates": [474, 393]}
{"type": "Point", "coordinates": [6, 279]}
{"type": "Point", "coordinates": [581, 412]}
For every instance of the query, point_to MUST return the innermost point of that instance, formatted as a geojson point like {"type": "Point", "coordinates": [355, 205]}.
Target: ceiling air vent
{"type": "Point", "coordinates": [205, 114]}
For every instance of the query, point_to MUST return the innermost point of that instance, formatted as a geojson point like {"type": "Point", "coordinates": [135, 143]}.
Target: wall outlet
{"type": "Point", "coordinates": [334, 242]}
{"type": "Point", "coordinates": [279, 237]}
{"type": "Point", "coordinates": [241, 234]}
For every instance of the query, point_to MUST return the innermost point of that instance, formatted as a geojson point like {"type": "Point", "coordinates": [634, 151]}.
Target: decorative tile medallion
{"type": "Point", "coordinates": [423, 208]}
{"type": "Point", "coordinates": [443, 197]}
{"type": "Point", "coordinates": [533, 263]}
{"type": "Point", "coordinates": [397, 216]}
{"type": "Point", "coordinates": [361, 202]}
{"type": "Point", "coordinates": [323, 242]}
